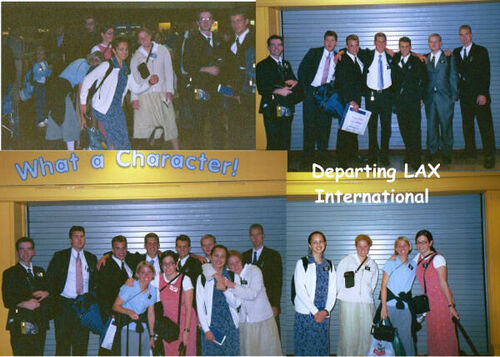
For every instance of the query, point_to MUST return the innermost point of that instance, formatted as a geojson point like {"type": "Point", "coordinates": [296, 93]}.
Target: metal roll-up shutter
{"type": "Point", "coordinates": [456, 223]}
{"type": "Point", "coordinates": [227, 219]}
{"type": "Point", "coordinates": [304, 28]}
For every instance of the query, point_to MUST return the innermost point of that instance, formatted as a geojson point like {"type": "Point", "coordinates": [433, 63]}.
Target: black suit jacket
{"type": "Point", "coordinates": [110, 279]}
{"type": "Point", "coordinates": [234, 73]}
{"type": "Point", "coordinates": [473, 73]}
{"type": "Point", "coordinates": [309, 66]}
{"type": "Point", "coordinates": [408, 82]}
{"type": "Point", "coordinates": [197, 54]}
{"type": "Point", "coordinates": [349, 80]}
{"type": "Point", "coordinates": [57, 272]}
{"type": "Point", "coordinates": [191, 268]}
{"type": "Point", "coordinates": [17, 287]}
{"type": "Point", "coordinates": [272, 270]}
{"type": "Point", "coordinates": [271, 77]}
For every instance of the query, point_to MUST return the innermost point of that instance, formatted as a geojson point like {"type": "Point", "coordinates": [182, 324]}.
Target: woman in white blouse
{"type": "Point", "coordinates": [357, 276]}
{"type": "Point", "coordinates": [259, 334]}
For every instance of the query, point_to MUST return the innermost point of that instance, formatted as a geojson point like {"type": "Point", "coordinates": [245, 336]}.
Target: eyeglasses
{"type": "Point", "coordinates": [206, 19]}
{"type": "Point", "coordinates": [422, 242]}
{"type": "Point", "coordinates": [168, 263]}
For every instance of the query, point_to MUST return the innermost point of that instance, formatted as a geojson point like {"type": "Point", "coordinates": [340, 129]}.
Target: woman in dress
{"type": "Point", "coordinates": [431, 274]}
{"type": "Point", "coordinates": [315, 290]}
{"type": "Point", "coordinates": [357, 276]}
{"type": "Point", "coordinates": [259, 334]}
{"type": "Point", "coordinates": [134, 301]}
{"type": "Point", "coordinates": [395, 292]}
{"type": "Point", "coordinates": [108, 99]}
{"type": "Point", "coordinates": [107, 33]}
{"type": "Point", "coordinates": [170, 282]}
{"type": "Point", "coordinates": [217, 308]}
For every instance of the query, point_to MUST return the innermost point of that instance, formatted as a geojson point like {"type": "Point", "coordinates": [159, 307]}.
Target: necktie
{"type": "Point", "coordinates": [326, 69]}
{"type": "Point", "coordinates": [30, 274]}
{"type": "Point", "coordinates": [152, 261]}
{"type": "Point", "coordinates": [433, 60]}
{"type": "Point", "coordinates": [238, 44]}
{"type": "Point", "coordinates": [79, 275]}
{"type": "Point", "coordinates": [402, 62]}
{"type": "Point", "coordinates": [465, 53]}
{"type": "Point", "coordinates": [123, 266]}
{"type": "Point", "coordinates": [254, 260]}
{"type": "Point", "coordinates": [280, 65]}
{"type": "Point", "coordinates": [209, 39]}
{"type": "Point", "coordinates": [356, 63]}
{"type": "Point", "coordinates": [380, 73]}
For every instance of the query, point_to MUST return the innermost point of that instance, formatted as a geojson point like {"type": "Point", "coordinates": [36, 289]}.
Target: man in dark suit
{"type": "Point", "coordinates": [269, 261]}
{"type": "Point", "coordinates": [317, 68]}
{"type": "Point", "coordinates": [473, 66]}
{"type": "Point", "coordinates": [240, 58]}
{"type": "Point", "coordinates": [57, 46]}
{"type": "Point", "coordinates": [377, 76]}
{"type": "Point", "coordinates": [202, 59]}
{"type": "Point", "coordinates": [350, 86]}
{"type": "Point", "coordinates": [25, 292]}
{"type": "Point", "coordinates": [187, 264]}
{"type": "Point", "coordinates": [110, 279]}
{"type": "Point", "coordinates": [440, 97]}
{"type": "Point", "coordinates": [71, 272]}
{"type": "Point", "coordinates": [409, 81]}
{"type": "Point", "coordinates": [277, 85]}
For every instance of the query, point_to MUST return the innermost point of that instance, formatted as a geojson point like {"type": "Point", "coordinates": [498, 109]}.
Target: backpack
{"type": "Point", "coordinates": [94, 88]}
{"type": "Point", "coordinates": [305, 264]}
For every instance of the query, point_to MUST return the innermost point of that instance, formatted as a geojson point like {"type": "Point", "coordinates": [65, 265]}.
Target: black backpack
{"type": "Point", "coordinates": [305, 264]}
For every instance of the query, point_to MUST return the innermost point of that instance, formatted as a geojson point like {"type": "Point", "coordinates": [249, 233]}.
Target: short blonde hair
{"type": "Point", "coordinates": [399, 239]}
{"type": "Point", "coordinates": [364, 237]}
{"type": "Point", "coordinates": [144, 264]}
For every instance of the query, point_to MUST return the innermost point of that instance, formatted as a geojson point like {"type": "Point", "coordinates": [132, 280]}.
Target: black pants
{"type": "Point", "coordinates": [241, 123]}
{"type": "Point", "coordinates": [482, 113]}
{"type": "Point", "coordinates": [27, 345]}
{"type": "Point", "coordinates": [317, 126]}
{"type": "Point", "coordinates": [380, 106]}
{"type": "Point", "coordinates": [278, 133]}
{"type": "Point", "coordinates": [208, 123]}
{"type": "Point", "coordinates": [409, 121]}
{"type": "Point", "coordinates": [71, 337]}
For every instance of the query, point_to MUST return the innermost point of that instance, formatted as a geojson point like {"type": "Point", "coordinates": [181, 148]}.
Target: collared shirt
{"type": "Point", "coordinates": [211, 37]}
{"type": "Point", "coordinates": [372, 78]}
{"type": "Point", "coordinates": [277, 60]}
{"type": "Point", "coordinates": [259, 252]}
{"type": "Point", "coordinates": [468, 48]}
{"type": "Point", "coordinates": [69, 290]}
{"type": "Point", "coordinates": [156, 262]}
{"type": "Point", "coordinates": [404, 59]}
{"type": "Point", "coordinates": [241, 38]}
{"type": "Point", "coordinates": [436, 55]}
{"type": "Point", "coordinates": [127, 268]}
{"type": "Point", "coordinates": [437, 262]}
{"type": "Point", "coordinates": [136, 300]}
{"type": "Point", "coordinates": [365, 279]}
{"type": "Point", "coordinates": [353, 57]}
{"type": "Point", "coordinates": [401, 276]}
{"type": "Point", "coordinates": [76, 71]}
{"type": "Point", "coordinates": [183, 261]}
{"type": "Point", "coordinates": [26, 268]}
{"type": "Point", "coordinates": [319, 73]}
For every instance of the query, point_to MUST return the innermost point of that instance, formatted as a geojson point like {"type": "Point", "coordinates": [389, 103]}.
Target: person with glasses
{"type": "Point", "coordinates": [432, 276]}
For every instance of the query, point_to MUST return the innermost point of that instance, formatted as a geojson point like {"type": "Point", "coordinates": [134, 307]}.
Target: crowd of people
{"type": "Point", "coordinates": [191, 90]}
{"type": "Point", "coordinates": [318, 286]}
{"type": "Point", "coordinates": [219, 311]}
{"type": "Point", "coordinates": [390, 81]}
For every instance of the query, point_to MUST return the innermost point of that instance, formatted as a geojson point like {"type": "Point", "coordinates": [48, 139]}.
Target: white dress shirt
{"type": "Point", "coordinates": [259, 252]}
{"type": "Point", "coordinates": [372, 77]}
{"type": "Point", "coordinates": [69, 290]}
{"type": "Point", "coordinates": [436, 55]}
{"type": "Point", "coordinates": [211, 37]}
{"type": "Point", "coordinates": [255, 306]}
{"type": "Point", "coordinates": [156, 263]}
{"type": "Point", "coordinates": [183, 261]}
{"type": "Point", "coordinates": [468, 48]}
{"type": "Point", "coordinates": [319, 74]}
{"type": "Point", "coordinates": [241, 38]}
{"type": "Point", "coordinates": [365, 280]}
{"type": "Point", "coordinates": [129, 271]}
{"type": "Point", "coordinates": [437, 262]}
{"type": "Point", "coordinates": [404, 59]}
{"type": "Point", "coordinates": [361, 65]}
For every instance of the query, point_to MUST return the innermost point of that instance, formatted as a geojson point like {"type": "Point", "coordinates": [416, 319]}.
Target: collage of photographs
{"type": "Point", "coordinates": [250, 178]}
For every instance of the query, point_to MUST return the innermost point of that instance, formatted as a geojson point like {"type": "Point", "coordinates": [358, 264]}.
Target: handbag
{"type": "Point", "coordinates": [328, 100]}
{"type": "Point", "coordinates": [165, 328]}
{"type": "Point", "coordinates": [381, 348]}
{"type": "Point", "coordinates": [24, 322]}
{"type": "Point", "coordinates": [88, 313]}
{"type": "Point", "coordinates": [420, 303]}
{"type": "Point", "coordinates": [349, 275]}
{"type": "Point", "coordinates": [143, 67]}
{"type": "Point", "coordinates": [383, 330]}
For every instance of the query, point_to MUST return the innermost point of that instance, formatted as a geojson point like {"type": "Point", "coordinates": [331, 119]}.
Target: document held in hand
{"type": "Point", "coordinates": [355, 122]}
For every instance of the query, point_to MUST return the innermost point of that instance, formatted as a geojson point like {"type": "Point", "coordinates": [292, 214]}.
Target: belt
{"type": "Point", "coordinates": [379, 91]}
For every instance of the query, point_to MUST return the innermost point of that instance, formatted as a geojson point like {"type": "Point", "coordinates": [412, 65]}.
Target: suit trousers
{"type": "Point", "coordinates": [409, 121]}
{"type": "Point", "coordinates": [208, 124]}
{"type": "Point", "coordinates": [317, 126]}
{"type": "Point", "coordinates": [27, 345]}
{"type": "Point", "coordinates": [241, 123]}
{"type": "Point", "coordinates": [278, 133]}
{"type": "Point", "coordinates": [72, 339]}
{"type": "Point", "coordinates": [380, 106]}
{"type": "Point", "coordinates": [439, 116]}
{"type": "Point", "coordinates": [482, 113]}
